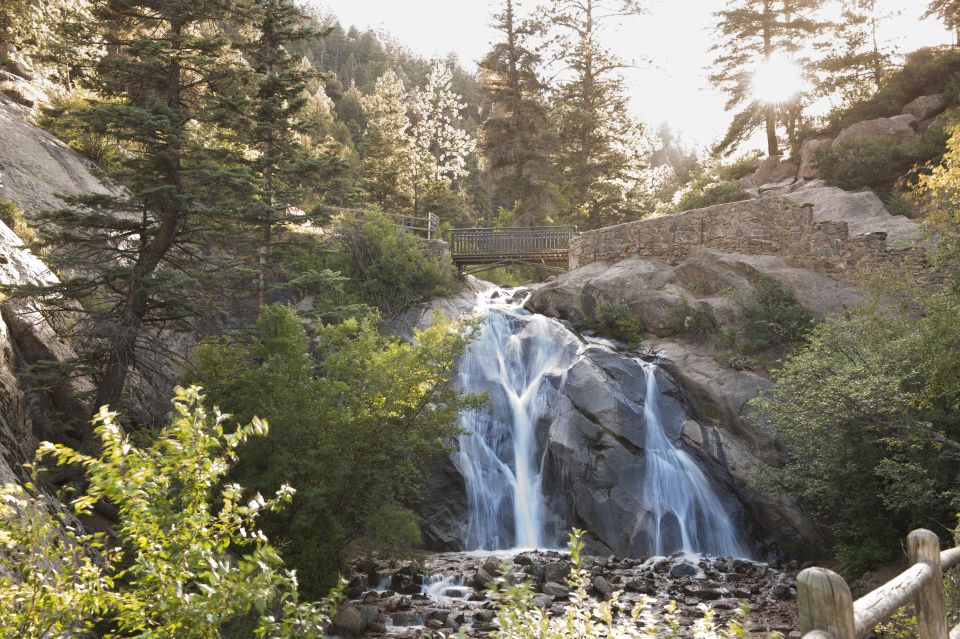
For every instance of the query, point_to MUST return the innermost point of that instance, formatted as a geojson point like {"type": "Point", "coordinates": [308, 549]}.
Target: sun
{"type": "Point", "coordinates": [777, 80]}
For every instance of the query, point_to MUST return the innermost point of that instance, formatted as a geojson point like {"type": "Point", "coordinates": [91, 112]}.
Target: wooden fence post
{"type": "Point", "coordinates": [825, 603]}
{"type": "Point", "coordinates": [924, 546]}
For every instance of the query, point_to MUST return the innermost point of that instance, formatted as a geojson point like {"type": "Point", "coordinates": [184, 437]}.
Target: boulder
{"type": "Point", "coordinates": [556, 571]}
{"type": "Point", "coordinates": [772, 170]}
{"type": "Point", "coordinates": [808, 154]}
{"type": "Point", "coordinates": [895, 130]}
{"type": "Point", "coordinates": [863, 213]}
{"type": "Point", "coordinates": [37, 168]}
{"type": "Point", "coordinates": [355, 620]}
{"type": "Point", "coordinates": [925, 107]}
{"type": "Point", "coordinates": [11, 60]}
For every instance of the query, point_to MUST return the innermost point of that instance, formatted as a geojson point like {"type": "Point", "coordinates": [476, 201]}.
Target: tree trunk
{"type": "Point", "coordinates": [771, 114]}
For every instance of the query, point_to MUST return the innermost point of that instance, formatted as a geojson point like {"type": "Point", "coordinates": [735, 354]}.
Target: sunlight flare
{"type": "Point", "coordinates": [778, 79]}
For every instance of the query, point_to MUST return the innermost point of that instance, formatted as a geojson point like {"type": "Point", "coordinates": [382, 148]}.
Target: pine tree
{"type": "Point", "coordinates": [440, 146]}
{"type": "Point", "coordinates": [749, 33]}
{"type": "Point", "coordinates": [387, 151]}
{"type": "Point", "coordinates": [273, 125]}
{"type": "Point", "coordinates": [126, 260]}
{"type": "Point", "coordinates": [948, 11]}
{"type": "Point", "coordinates": [515, 137]}
{"type": "Point", "coordinates": [596, 159]}
{"type": "Point", "coordinates": [856, 62]}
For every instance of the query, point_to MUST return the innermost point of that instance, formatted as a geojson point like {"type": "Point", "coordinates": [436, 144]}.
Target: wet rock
{"type": "Point", "coordinates": [542, 601]}
{"type": "Point", "coordinates": [405, 618]}
{"type": "Point", "coordinates": [354, 620]}
{"type": "Point", "coordinates": [683, 569]}
{"type": "Point", "coordinates": [556, 590]}
{"type": "Point", "coordinates": [782, 592]}
{"type": "Point", "coordinates": [485, 616]}
{"type": "Point", "coordinates": [404, 603]}
{"type": "Point", "coordinates": [434, 624]}
{"type": "Point", "coordinates": [481, 579]}
{"type": "Point", "coordinates": [556, 571]}
{"type": "Point", "coordinates": [604, 587]}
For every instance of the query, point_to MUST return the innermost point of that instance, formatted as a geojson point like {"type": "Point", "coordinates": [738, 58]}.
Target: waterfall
{"type": "Point", "coordinates": [510, 360]}
{"type": "Point", "coordinates": [684, 511]}
{"type": "Point", "coordinates": [519, 361]}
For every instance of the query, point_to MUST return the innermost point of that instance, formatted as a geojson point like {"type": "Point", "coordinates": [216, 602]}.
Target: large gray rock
{"type": "Point", "coordinates": [35, 167]}
{"type": "Point", "coordinates": [925, 107]}
{"type": "Point", "coordinates": [772, 170]}
{"type": "Point", "coordinates": [863, 212]}
{"type": "Point", "coordinates": [451, 307]}
{"type": "Point", "coordinates": [808, 156]}
{"type": "Point", "coordinates": [895, 130]}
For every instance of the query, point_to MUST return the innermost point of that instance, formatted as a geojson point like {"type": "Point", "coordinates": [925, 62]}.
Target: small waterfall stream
{"type": "Point", "coordinates": [503, 464]}
{"type": "Point", "coordinates": [685, 513]}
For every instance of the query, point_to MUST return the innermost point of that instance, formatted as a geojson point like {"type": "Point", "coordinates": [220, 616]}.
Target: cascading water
{"type": "Point", "coordinates": [509, 362]}
{"type": "Point", "coordinates": [685, 513]}
{"type": "Point", "coordinates": [520, 360]}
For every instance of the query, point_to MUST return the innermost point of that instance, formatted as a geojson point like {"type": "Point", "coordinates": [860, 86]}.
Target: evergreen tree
{"type": "Point", "coordinates": [751, 32]}
{"type": "Point", "coordinates": [440, 146]}
{"type": "Point", "coordinates": [515, 137]}
{"type": "Point", "coordinates": [126, 260]}
{"type": "Point", "coordinates": [387, 151]}
{"type": "Point", "coordinates": [856, 62]}
{"type": "Point", "coordinates": [948, 11]}
{"type": "Point", "coordinates": [273, 122]}
{"type": "Point", "coordinates": [596, 157]}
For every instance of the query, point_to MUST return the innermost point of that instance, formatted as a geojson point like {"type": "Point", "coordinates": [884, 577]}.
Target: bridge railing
{"type": "Point", "coordinates": [551, 242]}
{"type": "Point", "coordinates": [827, 609]}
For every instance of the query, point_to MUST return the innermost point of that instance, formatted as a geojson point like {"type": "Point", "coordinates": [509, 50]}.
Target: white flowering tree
{"type": "Point", "coordinates": [441, 146]}
{"type": "Point", "coordinates": [387, 149]}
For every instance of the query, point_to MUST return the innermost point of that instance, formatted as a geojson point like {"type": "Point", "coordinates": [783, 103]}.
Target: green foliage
{"type": "Point", "coordinates": [189, 557]}
{"type": "Point", "coordinates": [13, 217]}
{"type": "Point", "coordinates": [925, 72]}
{"type": "Point", "coordinates": [878, 164]}
{"type": "Point", "coordinates": [583, 618]}
{"type": "Point", "coordinates": [65, 118]}
{"type": "Point", "coordinates": [354, 426]}
{"type": "Point", "coordinates": [387, 266]}
{"type": "Point", "coordinates": [768, 318]}
{"type": "Point", "coordinates": [704, 192]}
{"type": "Point", "coordinates": [689, 320]}
{"type": "Point", "coordinates": [615, 319]}
{"type": "Point", "coordinates": [868, 409]}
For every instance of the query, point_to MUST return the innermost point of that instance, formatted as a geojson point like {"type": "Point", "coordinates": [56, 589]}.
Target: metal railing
{"type": "Point", "coordinates": [827, 609]}
{"type": "Point", "coordinates": [429, 224]}
{"type": "Point", "coordinates": [488, 245]}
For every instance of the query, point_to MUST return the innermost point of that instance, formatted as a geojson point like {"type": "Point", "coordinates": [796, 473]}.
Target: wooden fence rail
{"type": "Point", "coordinates": [827, 610]}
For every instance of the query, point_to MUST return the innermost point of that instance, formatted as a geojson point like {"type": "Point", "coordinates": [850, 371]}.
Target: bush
{"type": "Point", "coordinates": [187, 553]}
{"type": "Point", "coordinates": [925, 72]}
{"type": "Point", "coordinates": [13, 217]}
{"type": "Point", "coordinates": [689, 320]}
{"type": "Point", "coordinates": [867, 409]}
{"type": "Point", "coordinates": [62, 119]}
{"type": "Point", "coordinates": [615, 319]}
{"type": "Point", "coordinates": [355, 421]}
{"type": "Point", "coordinates": [387, 266]}
{"type": "Point", "coordinates": [520, 618]}
{"type": "Point", "coordinates": [879, 165]}
{"type": "Point", "coordinates": [768, 318]}
{"type": "Point", "coordinates": [702, 195]}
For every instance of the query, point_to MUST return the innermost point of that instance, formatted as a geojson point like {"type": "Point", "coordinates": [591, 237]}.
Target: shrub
{"type": "Point", "coordinates": [13, 217]}
{"type": "Point", "coordinates": [925, 72]}
{"type": "Point", "coordinates": [689, 320]}
{"type": "Point", "coordinates": [582, 618]}
{"type": "Point", "coordinates": [615, 319]}
{"type": "Point", "coordinates": [62, 119]}
{"type": "Point", "coordinates": [188, 557]}
{"type": "Point", "coordinates": [387, 266]}
{"type": "Point", "coordinates": [879, 165]}
{"type": "Point", "coordinates": [703, 194]}
{"type": "Point", "coordinates": [770, 317]}
{"type": "Point", "coordinates": [355, 420]}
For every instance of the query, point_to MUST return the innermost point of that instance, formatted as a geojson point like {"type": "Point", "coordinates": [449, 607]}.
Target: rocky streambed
{"type": "Point", "coordinates": [447, 593]}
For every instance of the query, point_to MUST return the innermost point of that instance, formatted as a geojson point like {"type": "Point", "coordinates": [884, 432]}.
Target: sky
{"type": "Point", "coordinates": [675, 36]}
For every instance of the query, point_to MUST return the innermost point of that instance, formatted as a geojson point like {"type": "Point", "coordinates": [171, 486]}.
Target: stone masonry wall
{"type": "Point", "coordinates": [765, 226]}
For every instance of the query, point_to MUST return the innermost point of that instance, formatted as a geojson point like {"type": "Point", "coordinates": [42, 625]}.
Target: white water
{"type": "Point", "coordinates": [510, 360]}
{"type": "Point", "coordinates": [502, 464]}
{"type": "Point", "coordinates": [685, 513]}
